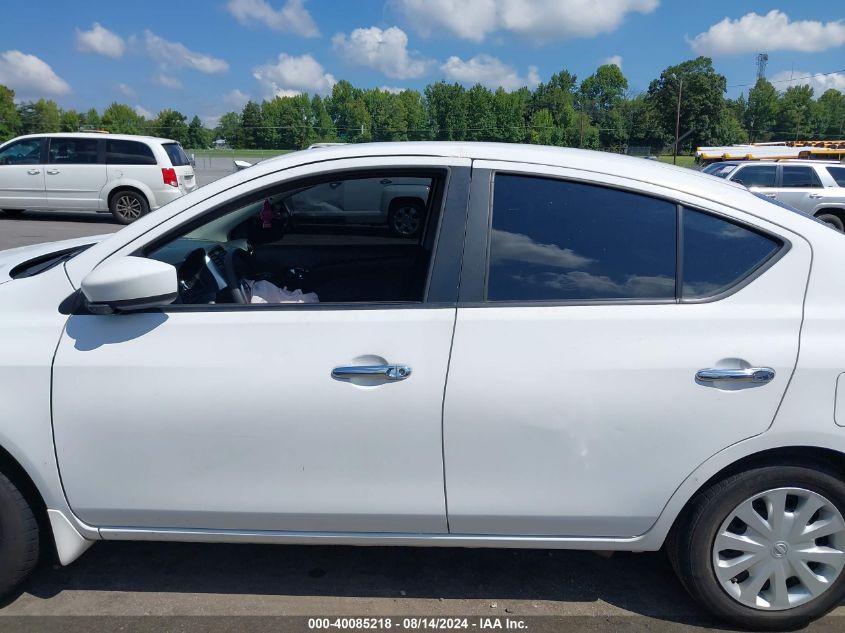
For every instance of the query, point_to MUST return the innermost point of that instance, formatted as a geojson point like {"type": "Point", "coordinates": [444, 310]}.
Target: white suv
{"type": "Point", "coordinates": [127, 175]}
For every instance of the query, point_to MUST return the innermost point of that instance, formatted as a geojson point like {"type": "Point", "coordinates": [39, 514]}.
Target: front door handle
{"type": "Point", "coordinates": [387, 372]}
{"type": "Point", "coordinates": [758, 375]}
{"type": "Point", "coordinates": [770, 195]}
{"type": "Point", "coordinates": [815, 196]}
{"type": "Point", "coordinates": [53, 172]}
{"type": "Point", "coordinates": [33, 172]}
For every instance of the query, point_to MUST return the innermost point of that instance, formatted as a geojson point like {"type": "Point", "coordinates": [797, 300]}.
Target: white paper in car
{"type": "Point", "coordinates": [262, 291]}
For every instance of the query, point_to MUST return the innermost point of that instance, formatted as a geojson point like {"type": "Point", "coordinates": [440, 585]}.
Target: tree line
{"type": "Point", "coordinates": [599, 112]}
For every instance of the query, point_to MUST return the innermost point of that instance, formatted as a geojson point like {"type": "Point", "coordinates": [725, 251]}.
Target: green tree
{"type": "Point", "coordinates": [544, 130]}
{"type": "Point", "coordinates": [829, 114]}
{"type": "Point", "coordinates": [10, 121]}
{"type": "Point", "coordinates": [91, 119]}
{"type": "Point", "coordinates": [70, 121]}
{"type": "Point", "coordinates": [198, 135]}
{"type": "Point", "coordinates": [556, 96]}
{"type": "Point", "coordinates": [171, 124]}
{"type": "Point", "coordinates": [416, 117]}
{"type": "Point", "coordinates": [120, 118]}
{"type": "Point", "coordinates": [795, 110]}
{"type": "Point", "coordinates": [761, 113]}
{"type": "Point", "coordinates": [702, 101]}
{"type": "Point", "coordinates": [481, 114]}
{"type": "Point", "coordinates": [228, 128]}
{"type": "Point", "coordinates": [252, 133]}
{"type": "Point", "coordinates": [387, 115]}
{"type": "Point", "coordinates": [601, 95]}
{"type": "Point", "coordinates": [323, 125]}
{"type": "Point", "coordinates": [39, 117]}
{"type": "Point", "coordinates": [447, 110]}
{"type": "Point", "coordinates": [510, 111]}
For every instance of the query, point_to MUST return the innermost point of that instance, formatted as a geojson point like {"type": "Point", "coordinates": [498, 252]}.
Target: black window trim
{"type": "Point", "coordinates": [780, 184]}
{"type": "Point", "coordinates": [474, 280]}
{"type": "Point", "coordinates": [442, 282]}
{"type": "Point", "coordinates": [144, 144]}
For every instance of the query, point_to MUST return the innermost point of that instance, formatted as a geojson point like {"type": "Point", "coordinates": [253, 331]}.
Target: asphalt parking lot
{"type": "Point", "coordinates": [556, 590]}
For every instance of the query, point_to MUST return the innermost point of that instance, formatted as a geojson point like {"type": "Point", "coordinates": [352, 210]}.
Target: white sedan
{"type": "Point", "coordinates": [575, 350]}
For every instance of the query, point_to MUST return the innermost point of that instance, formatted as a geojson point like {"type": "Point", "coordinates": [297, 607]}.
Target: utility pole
{"type": "Point", "coordinates": [677, 120]}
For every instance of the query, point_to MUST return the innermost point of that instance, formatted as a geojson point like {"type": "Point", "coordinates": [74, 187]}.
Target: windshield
{"type": "Point", "coordinates": [177, 155]}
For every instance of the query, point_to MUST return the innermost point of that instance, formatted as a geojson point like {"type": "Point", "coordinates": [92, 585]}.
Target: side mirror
{"type": "Point", "coordinates": [129, 283]}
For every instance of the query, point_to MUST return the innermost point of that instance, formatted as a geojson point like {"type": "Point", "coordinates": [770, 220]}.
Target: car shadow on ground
{"type": "Point", "coordinates": [643, 584]}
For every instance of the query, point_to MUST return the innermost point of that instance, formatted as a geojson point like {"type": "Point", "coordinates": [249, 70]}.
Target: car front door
{"type": "Point", "coordinates": [574, 406]}
{"type": "Point", "coordinates": [75, 173]}
{"type": "Point", "coordinates": [264, 417]}
{"type": "Point", "coordinates": [22, 175]}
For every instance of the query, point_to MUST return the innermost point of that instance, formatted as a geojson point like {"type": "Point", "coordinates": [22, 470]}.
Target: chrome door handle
{"type": "Point", "coordinates": [751, 374]}
{"type": "Point", "coordinates": [771, 195]}
{"type": "Point", "coordinates": [53, 172]}
{"type": "Point", "coordinates": [387, 372]}
{"type": "Point", "coordinates": [815, 195]}
{"type": "Point", "coordinates": [33, 172]}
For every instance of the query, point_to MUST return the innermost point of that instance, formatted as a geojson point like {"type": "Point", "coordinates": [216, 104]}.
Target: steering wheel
{"type": "Point", "coordinates": [236, 266]}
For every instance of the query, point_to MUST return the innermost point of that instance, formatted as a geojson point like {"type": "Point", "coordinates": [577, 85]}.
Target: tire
{"type": "Point", "coordinates": [695, 553]}
{"type": "Point", "coordinates": [13, 213]}
{"type": "Point", "coordinates": [833, 220]}
{"type": "Point", "coordinates": [19, 544]}
{"type": "Point", "coordinates": [127, 206]}
{"type": "Point", "coordinates": [406, 217]}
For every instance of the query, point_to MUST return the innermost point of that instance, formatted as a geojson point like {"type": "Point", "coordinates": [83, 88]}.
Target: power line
{"type": "Point", "coordinates": [780, 81]}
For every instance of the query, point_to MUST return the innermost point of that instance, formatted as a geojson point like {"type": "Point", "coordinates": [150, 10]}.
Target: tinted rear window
{"type": "Point", "coordinates": [555, 240]}
{"type": "Point", "coordinates": [756, 175]}
{"type": "Point", "coordinates": [129, 153]}
{"type": "Point", "coordinates": [800, 177]}
{"type": "Point", "coordinates": [177, 155]}
{"type": "Point", "coordinates": [838, 174]}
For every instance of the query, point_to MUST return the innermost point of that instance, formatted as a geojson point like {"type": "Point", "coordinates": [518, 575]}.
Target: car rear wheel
{"type": "Point", "coordinates": [833, 220]}
{"type": "Point", "coordinates": [406, 218]}
{"type": "Point", "coordinates": [128, 206]}
{"type": "Point", "coordinates": [19, 543]}
{"type": "Point", "coordinates": [765, 549]}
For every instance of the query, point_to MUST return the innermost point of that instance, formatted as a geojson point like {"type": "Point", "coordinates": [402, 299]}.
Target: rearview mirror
{"type": "Point", "coordinates": [129, 283]}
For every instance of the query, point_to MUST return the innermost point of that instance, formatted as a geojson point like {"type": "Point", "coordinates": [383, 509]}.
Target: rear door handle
{"type": "Point", "coordinates": [759, 375]}
{"type": "Point", "coordinates": [771, 195]}
{"type": "Point", "coordinates": [815, 195]}
{"type": "Point", "coordinates": [53, 172]}
{"type": "Point", "coordinates": [390, 373]}
{"type": "Point", "coordinates": [33, 172]}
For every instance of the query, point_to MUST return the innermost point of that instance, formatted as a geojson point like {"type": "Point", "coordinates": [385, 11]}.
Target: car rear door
{"type": "Point", "coordinates": [573, 405]}
{"type": "Point", "coordinates": [759, 178]}
{"type": "Point", "coordinates": [800, 187]}
{"type": "Point", "coordinates": [22, 175]}
{"type": "Point", "coordinates": [75, 173]}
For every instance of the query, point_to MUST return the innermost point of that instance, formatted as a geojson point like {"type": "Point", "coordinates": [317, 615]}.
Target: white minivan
{"type": "Point", "coordinates": [125, 174]}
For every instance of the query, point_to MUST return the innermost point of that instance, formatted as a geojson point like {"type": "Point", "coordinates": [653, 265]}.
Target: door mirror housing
{"type": "Point", "coordinates": [129, 283]}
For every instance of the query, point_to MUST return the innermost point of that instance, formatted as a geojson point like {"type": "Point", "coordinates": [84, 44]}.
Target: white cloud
{"type": "Point", "coordinates": [291, 18]}
{"type": "Point", "coordinates": [516, 246]}
{"type": "Point", "coordinates": [125, 90]}
{"type": "Point", "coordinates": [616, 60]}
{"type": "Point", "coordinates": [394, 90]}
{"type": "Point", "coordinates": [292, 75]}
{"type": "Point", "coordinates": [174, 55]}
{"type": "Point", "coordinates": [488, 71]}
{"type": "Point", "coordinates": [101, 41]}
{"type": "Point", "coordinates": [210, 120]}
{"type": "Point", "coordinates": [167, 81]}
{"type": "Point", "coordinates": [819, 83]}
{"type": "Point", "coordinates": [30, 76]}
{"type": "Point", "coordinates": [537, 19]}
{"type": "Point", "coordinates": [385, 50]}
{"type": "Point", "coordinates": [771, 32]}
{"type": "Point", "coordinates": [235, 99]}
{"type": "Point", "coordinates": [142, 111]}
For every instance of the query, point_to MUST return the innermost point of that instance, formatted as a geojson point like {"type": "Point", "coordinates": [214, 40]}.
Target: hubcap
{"type": "Point", "coordinates": [406, 220]}
{"type": "Point", "coordinates": [780, 549]}
{"type": "Point", "coordinates": [129, 207]}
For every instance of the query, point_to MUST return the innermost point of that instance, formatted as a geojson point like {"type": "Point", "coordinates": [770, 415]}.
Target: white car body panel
{"type": "Point", "coordinates": [601, 353]}
{"type": "Point", "coordinates": [22, 186]}
{"type": "Point", "coordinates": [75, 186]}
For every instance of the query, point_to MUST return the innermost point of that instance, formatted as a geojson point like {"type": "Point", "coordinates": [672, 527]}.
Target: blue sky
{"type": "Point", "coordinates": [207, 57]}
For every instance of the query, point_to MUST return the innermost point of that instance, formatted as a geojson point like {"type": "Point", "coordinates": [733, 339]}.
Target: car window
{"type": "Point", "coordinates": [838, 174]}
{"type": "Point", "coordinates": [718, 254]}
{"type": "Point", "coordinates": [721, 171]}
{"type": "Point", "coordinates": [555, 240]}
{"type": "Point", "coordinates": [177, 155]}
{"type": "Point", "coordinates": [756, 175]}
{"type": "Point", "coordinates": [345, 240]}
{"type": "Point", "coordinates": [120, 152]}
{"type": "Point", "coordinates": [802, 176]}
{"type": "Point", "coordinates": [73, 151]}
{"type": "Point", "coordinates": [24, 152]}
